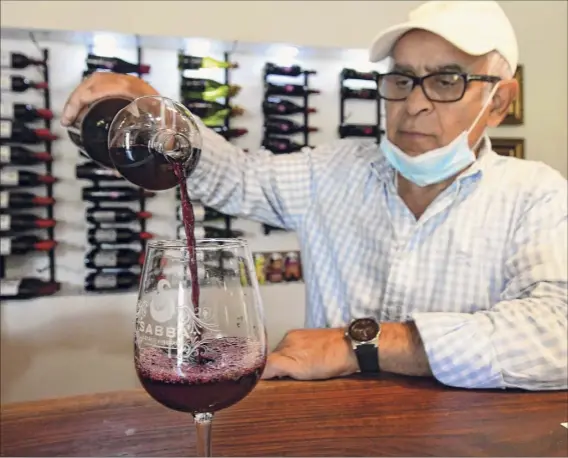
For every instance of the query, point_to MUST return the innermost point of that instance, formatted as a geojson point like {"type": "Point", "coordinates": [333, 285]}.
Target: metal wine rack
{"type": "Point", "coordinates": [370, 94]}
{"type": "Point", "coordinates": [50, 231]}
{"type": "Point", "coordinates": [227, 221]}
{"type": "Point", "coordinates": [112, 247]}
{"type": "Point", "coordinates": [305, 97]}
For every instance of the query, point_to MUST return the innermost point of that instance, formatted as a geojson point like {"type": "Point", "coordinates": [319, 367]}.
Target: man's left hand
{"type": "Point", "coordinates": [312, 354]}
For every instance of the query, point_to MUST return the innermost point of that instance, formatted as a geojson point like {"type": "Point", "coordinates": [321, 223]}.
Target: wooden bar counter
{"type": "Point", "coordinates": [390, 416]}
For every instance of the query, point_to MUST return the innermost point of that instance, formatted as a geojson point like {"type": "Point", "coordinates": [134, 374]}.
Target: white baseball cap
{"type": "Point", "coordinates": [475, 27]}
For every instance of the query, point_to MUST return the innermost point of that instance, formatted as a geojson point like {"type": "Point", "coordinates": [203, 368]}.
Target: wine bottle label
{"type": "Point", "coordinates": [7, 110]}
{"type": "Point", "coordinates": [5, 154]}
{"type": "Point", "coordinates": [5, 222]}
{"type": "Point", "coordinates": [6, 82]}
{"type": "Point", "coordinates": [105, 259]}
{"type": "Point", "coordinates": [105, 235]}
{"type": "Point", "coordinates": [5, 129]}
{"type": "Point", "coordinates": [5, 59]}
{"type": "Point", "coordinates": [10, 287]}
{"type": "Point", "coordinates": [105, 281]}
{"type": "Point", "coordinates": [9, 177]}
{"type": "Point", "coordinates": [4, 199]}
{"type": "Point", "coordinates": [5, 246]}
{"type": "Point", "coordinates": [104, 216]}
{"type": "Point", "coordinates": [199, 232]}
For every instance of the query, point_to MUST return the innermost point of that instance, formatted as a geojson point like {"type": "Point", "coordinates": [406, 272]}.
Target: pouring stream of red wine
{"type": "Point", "coordinates": [188, 219]}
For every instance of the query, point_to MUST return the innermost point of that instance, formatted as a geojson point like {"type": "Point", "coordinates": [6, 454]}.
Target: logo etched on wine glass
{"type": "Point", "coordinates": [167, 320]}
{"type": "Point", "coordinates": [162, 310]}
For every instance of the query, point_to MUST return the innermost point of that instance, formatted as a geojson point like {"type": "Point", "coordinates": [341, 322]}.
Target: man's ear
{"type": "Point", "coordinates": [502, 99]}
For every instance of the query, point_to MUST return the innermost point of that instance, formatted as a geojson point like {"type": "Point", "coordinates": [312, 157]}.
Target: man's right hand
{"type": "Point", "coordinates": [100, 85]}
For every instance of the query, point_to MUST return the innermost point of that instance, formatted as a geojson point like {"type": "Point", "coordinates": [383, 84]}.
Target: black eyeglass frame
{"type": "Point", "coordinates": [419, 81]}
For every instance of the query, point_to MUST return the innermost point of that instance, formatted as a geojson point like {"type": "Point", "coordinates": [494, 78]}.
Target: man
{"type": "Point", "coordinates": [458, 255]}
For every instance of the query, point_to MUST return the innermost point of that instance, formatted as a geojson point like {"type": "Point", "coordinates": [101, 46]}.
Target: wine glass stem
{"type": "Point", "coordinates": [203, 429]}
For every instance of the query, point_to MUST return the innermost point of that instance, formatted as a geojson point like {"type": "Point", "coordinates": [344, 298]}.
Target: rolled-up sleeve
{"type": "Point", "coordinates": [522, 341]}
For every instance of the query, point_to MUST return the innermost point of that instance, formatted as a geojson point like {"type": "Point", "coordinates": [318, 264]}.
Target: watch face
{"type": "Point", "coordinates": [364, 330]}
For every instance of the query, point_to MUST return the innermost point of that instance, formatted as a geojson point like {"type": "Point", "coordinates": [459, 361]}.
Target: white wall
{"type": "Point", "coordinates": [78, 343]}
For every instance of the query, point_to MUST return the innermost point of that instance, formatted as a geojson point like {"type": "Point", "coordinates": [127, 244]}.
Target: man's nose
{"type": "Point", "coordinates": [417, 102]}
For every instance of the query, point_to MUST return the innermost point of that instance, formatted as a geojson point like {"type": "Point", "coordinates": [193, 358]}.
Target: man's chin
{"type": "Point", "coordinates": [415, 150]}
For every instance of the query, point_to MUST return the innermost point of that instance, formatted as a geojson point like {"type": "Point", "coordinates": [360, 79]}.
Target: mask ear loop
{"type": "Point", "coordinates": [480, 114]}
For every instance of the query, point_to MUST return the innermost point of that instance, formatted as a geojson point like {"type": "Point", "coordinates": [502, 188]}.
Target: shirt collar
{"type": "Point", "coordinates": [485, 158]}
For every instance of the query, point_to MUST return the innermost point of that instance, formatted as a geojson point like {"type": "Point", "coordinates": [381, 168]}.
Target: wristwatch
{"type": "Point", "coordinates": [363, 334]}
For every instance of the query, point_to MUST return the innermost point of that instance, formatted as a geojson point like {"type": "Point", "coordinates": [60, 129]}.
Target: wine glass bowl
{"type": "Point", "coordinates": [148, 136]}
{"type": "Point", "coordinates": [199, 357]}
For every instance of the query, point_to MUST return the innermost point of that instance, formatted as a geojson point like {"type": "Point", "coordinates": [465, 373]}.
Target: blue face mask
{"type": "Point", "coordinates": [438, 164]}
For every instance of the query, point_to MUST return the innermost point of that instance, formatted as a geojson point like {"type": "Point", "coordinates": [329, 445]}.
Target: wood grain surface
{"type": "Point", "coordinates": [344, 417]}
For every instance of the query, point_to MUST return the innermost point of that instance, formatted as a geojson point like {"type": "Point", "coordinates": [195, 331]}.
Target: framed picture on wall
{"type": "Point", "coordinates": [515, 116]}
{"type": "Point", "coordinates": [514, 147]}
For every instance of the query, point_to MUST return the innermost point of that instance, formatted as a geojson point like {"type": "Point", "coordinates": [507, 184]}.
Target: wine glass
{"type": "Point", "coordinates": [199, 354]}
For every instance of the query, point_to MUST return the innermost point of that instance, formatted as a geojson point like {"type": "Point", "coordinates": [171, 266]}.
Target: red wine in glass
{"type": "Point", "coordinates": [226, 377]}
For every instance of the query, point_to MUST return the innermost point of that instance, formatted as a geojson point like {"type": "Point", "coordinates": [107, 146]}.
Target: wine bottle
{"type": "Point", "coordinates": [19, 155]}
{"type": "Point", "coordinates": [17, 83]}
{"type": "Point", "coordinates": [24, 112]}
{"type": "Point", "coordinates": [217, 119]}
{"type": "Point", "coordinates": [94, 172]}
{"type": "Point", "coordinates": [350, 74]}
{"type": "Point", "coordinates": [213, 94]}
{"type": "Point", "coordinates": [209, 109]}
{"type": "Point", "coordinates": [202, 213]}
{"type": "Point", "coordinates": [229, 133]}
{"type": "Point", "coordinates": [283, 126]}
{"type": "Point", "coordinates": [113, 259]}
{"type": "Point", "coordinates": [96, 236]}
{"type": "Point", "coordinates": [195, 63]}
{"type": "Point", "coordinates": [288, 89]}
{"type": "Point", "coordinates": [293, 70]}
{"type": "Point", "coordinates": [23, 178]}
{"type": "Point", "coordinates": [97, 215]}
{"type": "Point", "coordinates": [199, 84]}
{"type": "Point", "coordinates": [23, 200]}
{"type": "Point", "coordinates": [281, 145]}
{"type": "Point", "coordinates": [24, 244]}
{"type": "Point", "coordinates": [26, 288]}
{"type": "Point", "coordinates": [19, 133]}
{"type": "Point", "coordinates": [114, 194]}
{"type": "Point", "coordinates": [207, 232]}
{"type": "Point", "coordinates": [100, 281]}
{"type": "Point", "coordinates": [362, 94]}
{"type": "Point", "coordinates": [23, 222]}
{"type": "Point", "coordinates": [114, 64]}
{"type": "Point", "coordinates": [279, 106]}
{"type": "Point", "coordinates": [17, 60]}
{"type": "Point", "coordinates": [358, 130]}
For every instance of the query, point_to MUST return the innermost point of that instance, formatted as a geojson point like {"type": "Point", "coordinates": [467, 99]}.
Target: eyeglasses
{"type": "Point", "coordinates": [442, 87]}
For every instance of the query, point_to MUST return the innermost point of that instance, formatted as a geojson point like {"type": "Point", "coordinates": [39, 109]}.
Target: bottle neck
{"type": "Point", "coordinates": [174, 146]}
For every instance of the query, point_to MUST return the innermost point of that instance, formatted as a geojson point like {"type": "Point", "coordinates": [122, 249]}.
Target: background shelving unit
{"type": "Point", "coordinates": [224, 128]}
{"type": "Point", "coordinates": [108, 279]}
{"type": "Point", "coordinates": [48, 170]}
{"type": "Point", "coordinates": [367, 92]}
{"type": "Point", "coordinates": [279, 128]}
